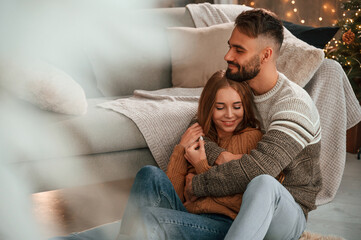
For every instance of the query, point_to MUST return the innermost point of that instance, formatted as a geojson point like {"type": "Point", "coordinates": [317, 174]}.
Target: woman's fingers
{"type": "Point", "coordinates": [193, 146]}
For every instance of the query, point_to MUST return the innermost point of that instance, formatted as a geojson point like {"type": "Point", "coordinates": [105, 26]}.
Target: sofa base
{"type": "Point", "coordinates": [83, 170]}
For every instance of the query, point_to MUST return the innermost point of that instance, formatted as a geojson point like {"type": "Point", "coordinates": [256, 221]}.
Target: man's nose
{"type": "Point", "coordinates": [228, 56]}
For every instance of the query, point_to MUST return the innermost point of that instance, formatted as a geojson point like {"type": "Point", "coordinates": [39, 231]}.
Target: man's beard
{"type": "Point", "coordinates": [249, 70]}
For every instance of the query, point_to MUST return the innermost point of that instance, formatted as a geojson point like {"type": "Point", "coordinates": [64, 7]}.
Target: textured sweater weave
{"type": "Point", "coordinates": [179, 167]}
{"type": "Point", "coordinates": [291, 144]}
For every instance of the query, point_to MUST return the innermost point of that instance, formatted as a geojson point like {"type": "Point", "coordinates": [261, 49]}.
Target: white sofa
{"type": "Point", "coordinates": [110, 51]}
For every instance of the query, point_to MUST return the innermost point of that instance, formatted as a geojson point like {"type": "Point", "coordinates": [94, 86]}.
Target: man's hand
{"type": "Point", "coordinates": [188, 191]}
{"type": "Point", "coordinates": [225, 157]}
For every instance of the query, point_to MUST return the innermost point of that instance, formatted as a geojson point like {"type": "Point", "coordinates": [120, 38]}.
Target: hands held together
{"type": "Point", "coordinates": [194, 150]}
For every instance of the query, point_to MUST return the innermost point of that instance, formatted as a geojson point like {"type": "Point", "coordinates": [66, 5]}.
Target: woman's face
{"type": "Point", "coordinates": [228, 111]}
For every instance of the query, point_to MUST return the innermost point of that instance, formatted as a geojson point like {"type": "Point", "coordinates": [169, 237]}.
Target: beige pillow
{"type": "Point", "coordinates": [43, 85]}
{"type": "Point", "coordinates": [197, 53]}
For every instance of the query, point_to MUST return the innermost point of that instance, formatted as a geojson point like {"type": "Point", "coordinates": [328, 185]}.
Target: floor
{"type": "Point", "coordinates": [68, 210]}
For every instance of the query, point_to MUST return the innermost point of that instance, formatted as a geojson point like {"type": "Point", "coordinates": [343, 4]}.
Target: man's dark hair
{"type": "Point", "coordinates": [258, 22]}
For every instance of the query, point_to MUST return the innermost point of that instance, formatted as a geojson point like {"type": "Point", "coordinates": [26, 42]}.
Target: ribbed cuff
{"type": "Point", "coordinates": [199, 190]}
{"type": "Point", "coordinates": [202, 166]}
{"type": "Point", "coordinates": [212, 151]}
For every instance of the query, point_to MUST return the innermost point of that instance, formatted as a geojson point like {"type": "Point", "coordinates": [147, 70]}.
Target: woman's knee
{"type": "Point", "coordinates": [149, 172]}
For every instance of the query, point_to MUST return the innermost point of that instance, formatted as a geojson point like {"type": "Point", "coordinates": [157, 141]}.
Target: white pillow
{"type": "Point", "coordinates": [197, 53]}
{"type": "Point", "coordinates": [43, 85]}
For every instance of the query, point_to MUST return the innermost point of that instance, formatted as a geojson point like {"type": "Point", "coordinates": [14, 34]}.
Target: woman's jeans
{"type": "Point", "coordinates": [154, 211]}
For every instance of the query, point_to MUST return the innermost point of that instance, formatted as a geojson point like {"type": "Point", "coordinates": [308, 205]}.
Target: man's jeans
{"type": "Point", "coordinates": [268, 211]}
{"type": "Point", "coordinates": [154, 211]}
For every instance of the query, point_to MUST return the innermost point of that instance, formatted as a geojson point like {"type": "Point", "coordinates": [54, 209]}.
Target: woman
{"type": "Point", "coordinates": [226, 116]}
{"type": "Point", "coordinates": [158, 207]}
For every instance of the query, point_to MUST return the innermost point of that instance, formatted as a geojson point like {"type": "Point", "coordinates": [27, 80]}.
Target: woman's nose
{"type": "Point", "coordinates": [229, 113]}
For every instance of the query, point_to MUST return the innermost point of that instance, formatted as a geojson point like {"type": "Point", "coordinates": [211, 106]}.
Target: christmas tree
{"type": "Point", "coordinates": [347, 49]}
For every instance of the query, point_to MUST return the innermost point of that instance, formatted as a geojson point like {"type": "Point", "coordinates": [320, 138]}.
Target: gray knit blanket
{"type": "Point", "coordinates": [163, 115]}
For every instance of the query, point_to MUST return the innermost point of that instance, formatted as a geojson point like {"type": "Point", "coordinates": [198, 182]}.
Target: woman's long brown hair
{"type": "Point", "coordinates": [207, 104]}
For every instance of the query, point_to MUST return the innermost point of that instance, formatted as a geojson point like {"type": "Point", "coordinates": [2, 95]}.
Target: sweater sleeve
{"type": "Point", "coordinates": [202, 166]}
{"type": "Point", "coordinates": [212, 150]}
{"type": "Point", "coordinates": [177, 170]}
{"type": "Point", "coordinates": [289, 133]}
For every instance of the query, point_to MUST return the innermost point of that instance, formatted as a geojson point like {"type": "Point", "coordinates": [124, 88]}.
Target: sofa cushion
{"type": "Point", "coordinates": [317, 37]}
{"type": "Point", "coordinates": [43, 85]}
{"type": "Point", "coordinates": [198, 52]}
{"type": "Point", "coordinates": [134, 54]}
{"type": "Point", "coordinates": [58, 135]}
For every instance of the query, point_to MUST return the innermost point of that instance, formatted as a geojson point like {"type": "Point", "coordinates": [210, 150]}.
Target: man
{"type": "Point", "coordinates": [291, 143]}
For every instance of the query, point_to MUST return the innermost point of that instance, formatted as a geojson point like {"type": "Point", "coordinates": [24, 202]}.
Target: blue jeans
{"type": "Point", "coordinates": [269, 212]}
{"type": "Point", "coordinates": [154, 211]}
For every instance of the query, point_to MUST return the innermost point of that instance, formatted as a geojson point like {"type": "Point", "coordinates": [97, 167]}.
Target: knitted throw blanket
{"type": "Point", "coordinates": [162, 116]}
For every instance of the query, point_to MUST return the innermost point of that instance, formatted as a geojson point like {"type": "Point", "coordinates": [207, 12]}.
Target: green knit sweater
{"type": "Point", "coordinates": [291, 144]}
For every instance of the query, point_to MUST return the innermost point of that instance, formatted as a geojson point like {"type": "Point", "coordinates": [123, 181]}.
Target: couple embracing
{"type": "Point", "coordinates": [249, 167]}
{"type": "Point", "coordinates": [232, 176]}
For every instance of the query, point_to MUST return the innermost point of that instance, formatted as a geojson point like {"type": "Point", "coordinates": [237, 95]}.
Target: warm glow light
{"type": "Point", "coordinates": [293, 2]}
{"type": "Point", "coordinates": [333, 10]}
{"type": "Point", "coordinates": [289, 14]}
{"type": "Point", "coordinates": [295, 9]}
{"type": "Point", "coordinates": [252, 4]}
{"type": "Point", "coordinates": [302, 21]}
{"type": "Point", "coordinates": [325, 6]}
{"type": "Point", "coordinates": [320, 18]}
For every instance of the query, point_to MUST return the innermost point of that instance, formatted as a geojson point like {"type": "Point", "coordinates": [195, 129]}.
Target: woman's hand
{"type": "Point", "coordinates": [191, 135]}
{"type": "Point", "coordinates": [195, 153]}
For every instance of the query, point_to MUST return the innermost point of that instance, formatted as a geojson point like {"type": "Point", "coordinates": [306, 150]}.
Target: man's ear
{"type": "Point", "coordinates": [267, 54]}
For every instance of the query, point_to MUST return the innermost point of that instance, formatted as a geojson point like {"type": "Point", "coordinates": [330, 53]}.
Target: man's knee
{"type": "Point", "coordinates": [262, 184]}
{"type": "Point", "coordinates": [263, 180]}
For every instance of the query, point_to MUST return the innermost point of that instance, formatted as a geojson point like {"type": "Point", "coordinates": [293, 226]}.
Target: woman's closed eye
{"type": "Point", "coordinates": [234, 107]}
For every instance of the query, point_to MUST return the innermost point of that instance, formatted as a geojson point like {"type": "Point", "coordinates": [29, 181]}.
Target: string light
{"type": "Point", "coordinates": [327, 13]}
